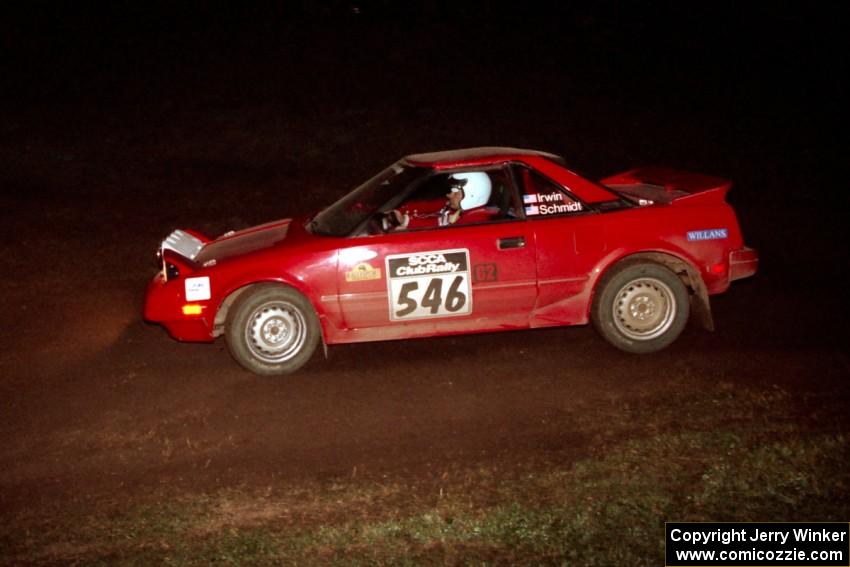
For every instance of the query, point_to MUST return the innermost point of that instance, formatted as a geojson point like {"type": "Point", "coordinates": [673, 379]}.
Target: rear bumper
{"type": "Point", "coordinates": [743, 263]}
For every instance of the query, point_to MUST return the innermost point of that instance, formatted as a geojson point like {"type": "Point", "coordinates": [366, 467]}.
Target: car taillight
{"type": "Point", "coordinates": [743, 263]}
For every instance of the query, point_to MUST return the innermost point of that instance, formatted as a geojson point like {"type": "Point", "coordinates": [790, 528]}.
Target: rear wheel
{"type": "Point", "coordinates": [640, 306]}
{"type": "Point", "coordinates": [273, 330]}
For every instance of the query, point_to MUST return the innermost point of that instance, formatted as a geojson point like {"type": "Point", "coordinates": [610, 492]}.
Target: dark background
{"type": "Point", "coordinates": [752, 93]}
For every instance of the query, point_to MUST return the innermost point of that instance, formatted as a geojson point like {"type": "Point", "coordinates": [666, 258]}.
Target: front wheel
{"type": "Point", "coordinates": [640, 306]}
{"type": "Point", "coordinates": [272, 330]}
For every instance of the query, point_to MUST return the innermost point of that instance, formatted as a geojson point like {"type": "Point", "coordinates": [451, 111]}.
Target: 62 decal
{"type": "Point", "coordinates": [429, 284]}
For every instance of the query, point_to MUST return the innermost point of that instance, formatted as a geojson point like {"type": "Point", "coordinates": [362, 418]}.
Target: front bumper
{"type": "Point", "coordinates": [164, 303]}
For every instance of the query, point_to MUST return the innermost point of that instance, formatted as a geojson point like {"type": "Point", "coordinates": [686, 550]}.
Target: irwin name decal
{"type": "Point", "coordinates": [549, 204]}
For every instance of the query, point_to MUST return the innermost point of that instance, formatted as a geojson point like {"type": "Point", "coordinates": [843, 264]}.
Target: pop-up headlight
{"type": "Point", "coordinates": [174, 252]}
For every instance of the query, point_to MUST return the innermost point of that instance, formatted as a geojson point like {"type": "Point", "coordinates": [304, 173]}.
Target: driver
{"type": "Point", "coordinates": [467, 197]}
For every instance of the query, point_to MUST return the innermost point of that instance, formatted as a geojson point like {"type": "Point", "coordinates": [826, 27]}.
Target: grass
{"type": "Point", "coordinates": [729, 454]}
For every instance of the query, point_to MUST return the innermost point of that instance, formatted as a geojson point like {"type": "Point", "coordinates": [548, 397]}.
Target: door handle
{"type": "Point", "coordinates": [511, 242]}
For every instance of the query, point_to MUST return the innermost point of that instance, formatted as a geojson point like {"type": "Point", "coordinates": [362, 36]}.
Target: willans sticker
{"type": "Point", "coordinates": [708, 234]}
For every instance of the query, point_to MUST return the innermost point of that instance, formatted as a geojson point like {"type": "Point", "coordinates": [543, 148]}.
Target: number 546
{"type": "Point", "coordinates": [432, 298]}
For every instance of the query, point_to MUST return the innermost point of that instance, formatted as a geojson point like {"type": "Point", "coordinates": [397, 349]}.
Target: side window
{"type": "Point", "coordinates": [459, 198]}
{"type": "Point", "coordinates": [542, 197]}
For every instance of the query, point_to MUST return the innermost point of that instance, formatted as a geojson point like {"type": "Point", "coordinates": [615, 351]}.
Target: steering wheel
{"type": "Point", "coordinates": [391, 220]}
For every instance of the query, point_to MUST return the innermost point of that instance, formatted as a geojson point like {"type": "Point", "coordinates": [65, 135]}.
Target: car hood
{"type": "Point", "coordinates": [243, 241]}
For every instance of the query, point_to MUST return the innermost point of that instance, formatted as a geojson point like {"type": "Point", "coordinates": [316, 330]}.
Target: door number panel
{"type": "Point", "coordinates": [429, 284]}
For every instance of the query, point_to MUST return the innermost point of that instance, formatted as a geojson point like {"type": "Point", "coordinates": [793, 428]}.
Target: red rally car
{"type": "Point", "coordinates": [464, 241]}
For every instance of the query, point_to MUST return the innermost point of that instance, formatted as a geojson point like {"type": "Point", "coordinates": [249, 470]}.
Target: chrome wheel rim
{"type": "Point", "coordinates": [644, 309]}
{"type": "Point", "coordinates": [276, 331]}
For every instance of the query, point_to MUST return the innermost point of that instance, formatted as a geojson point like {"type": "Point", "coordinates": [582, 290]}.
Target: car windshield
{"type": "Point", "coordinates": [342, 217]}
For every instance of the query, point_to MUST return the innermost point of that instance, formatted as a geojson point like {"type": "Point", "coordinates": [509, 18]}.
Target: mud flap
{"type": "Point", "coordinates": [700, 305]}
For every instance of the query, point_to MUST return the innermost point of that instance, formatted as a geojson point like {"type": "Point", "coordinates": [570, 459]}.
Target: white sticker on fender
{"type": "Point", "coordinates": [197, 289]}
{"type": "Point", "coordinates": [429, 284]}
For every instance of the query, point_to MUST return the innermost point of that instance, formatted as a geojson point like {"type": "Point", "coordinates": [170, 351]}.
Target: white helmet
{"type": "Point", "coordinates": [476, 188]}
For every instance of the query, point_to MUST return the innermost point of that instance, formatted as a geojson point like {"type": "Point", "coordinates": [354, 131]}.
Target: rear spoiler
{"type": "Point", "coordinates": [670, 186]}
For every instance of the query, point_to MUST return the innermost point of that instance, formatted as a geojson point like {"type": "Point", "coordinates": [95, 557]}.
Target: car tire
{"type": "Point", "coordinates": [640, 306]}
{"type": "Point", "coordinates": [272, 330]}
